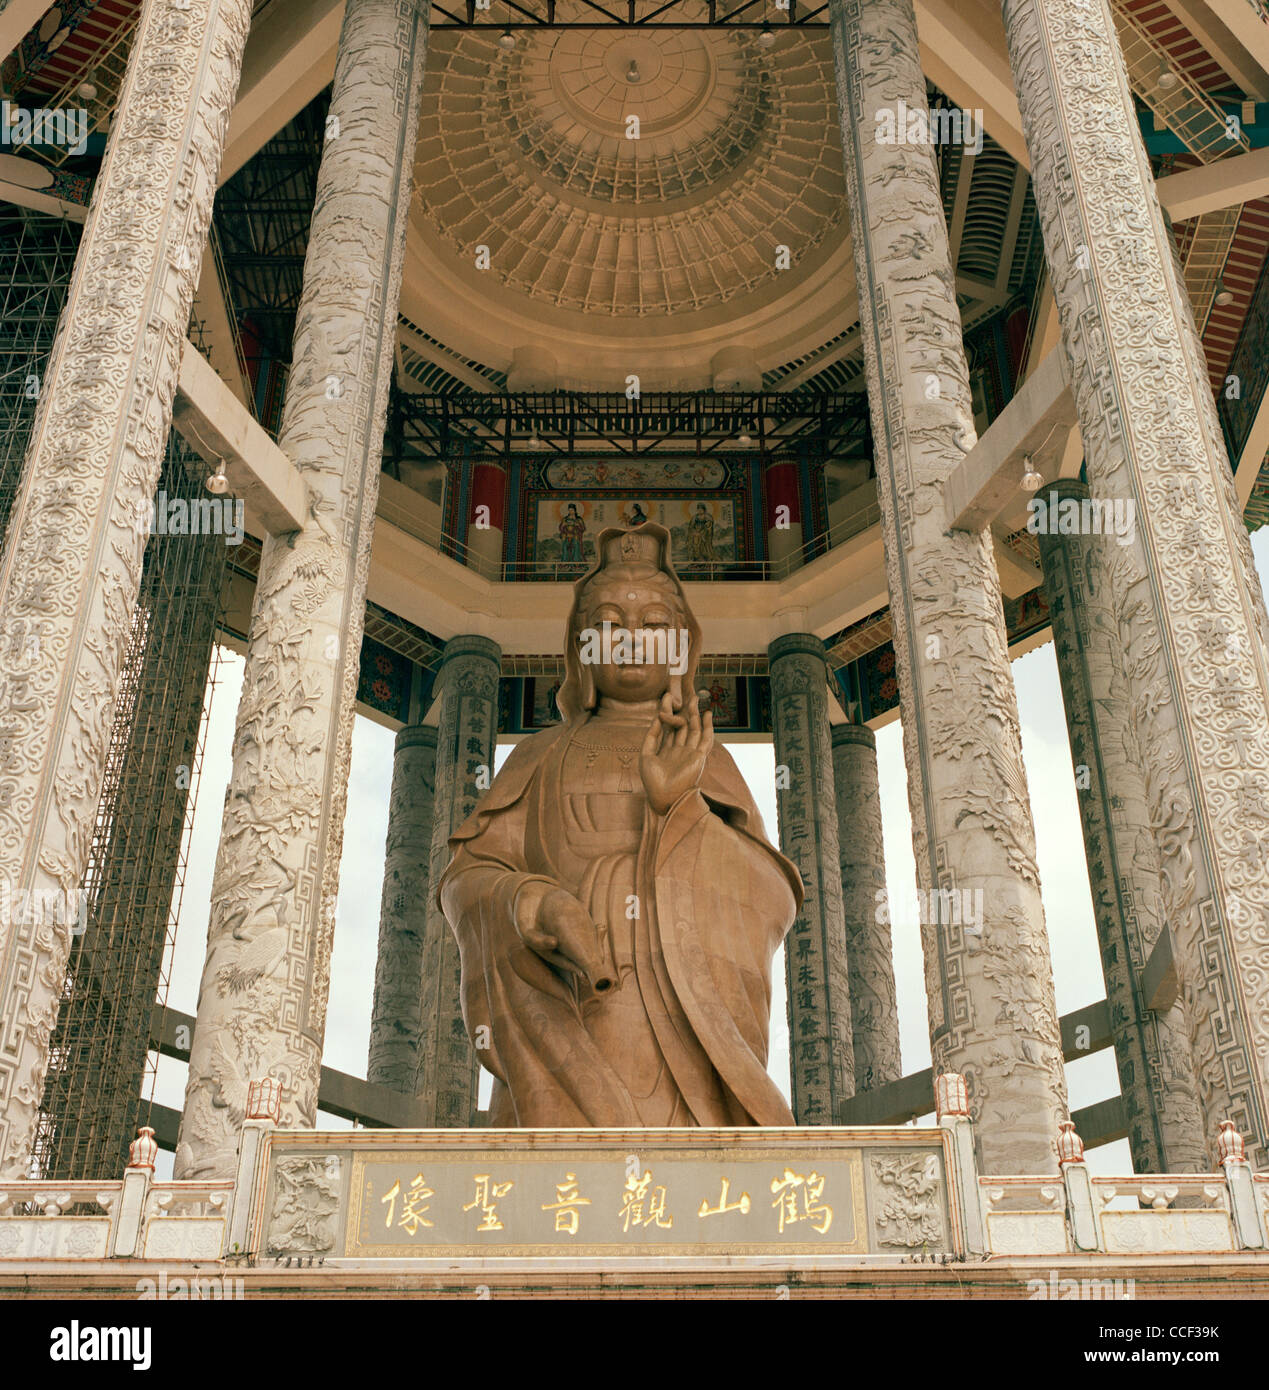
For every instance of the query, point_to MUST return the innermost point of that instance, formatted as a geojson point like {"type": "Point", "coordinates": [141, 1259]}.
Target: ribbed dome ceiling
{"type": "Point", "coordinates": [527, 153]}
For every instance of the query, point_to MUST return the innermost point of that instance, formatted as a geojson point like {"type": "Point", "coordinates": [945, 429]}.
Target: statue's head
{"type": "Point", "coordinates": [631, 635]}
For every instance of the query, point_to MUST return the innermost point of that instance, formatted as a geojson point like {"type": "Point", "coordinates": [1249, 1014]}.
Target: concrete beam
{"type": "Point", "coordinates": [289, 58]}
{"type": "Point", "coordinates": [963, 52]}
{"type": "Point", "coordinates": [349, 1097]}
{"type": "Point", "coordinates": [218, 426]}
{"type": "Point", "coordinates": [1101, 1123]}
{"type": "Point", "coordinates": [1038, 418]}
{"type": "Point", "coordinates": [1018, 575]}
{"type": "Point", "coordinates": [17, 19]}
{"type": "Point", "coordinates": [1159, 983]}
{"type": "Point", "coordinates": [1224, 183]}
{"type": "Point", "coordinates": [219, 339]}
{"type": "Point", "coordinates": [166, 1124]}
{"type": "Point", "coordinates": [1249, 463]}
{"type": "Point", "coordinates": [1246, 25]}
{"type": "Point", "coordinates": [1084, 1032]}
{"type": "Point", "coordinates": [1200, 18]}
{"type": "Point", "coordinates": [38, 201]}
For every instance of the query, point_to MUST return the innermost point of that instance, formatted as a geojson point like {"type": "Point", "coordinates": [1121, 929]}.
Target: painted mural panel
{"type": "Point", "coordinates": [703, 530]}
{"type": "Point", "coordinates": [638, 475]}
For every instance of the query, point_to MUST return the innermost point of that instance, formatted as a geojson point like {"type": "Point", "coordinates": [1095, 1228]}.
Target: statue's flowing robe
{"type": "Point", "coordinates": [696, 901]}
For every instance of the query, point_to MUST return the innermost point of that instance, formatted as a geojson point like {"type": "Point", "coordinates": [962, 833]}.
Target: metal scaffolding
{"type": "Point", "coordinates": [37, 256]}
{"type": "Point", "coordinates": [101, 1075]}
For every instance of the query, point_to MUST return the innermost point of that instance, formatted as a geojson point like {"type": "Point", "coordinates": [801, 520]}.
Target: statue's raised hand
{"type": "Point", "coordinates": [674, 751]}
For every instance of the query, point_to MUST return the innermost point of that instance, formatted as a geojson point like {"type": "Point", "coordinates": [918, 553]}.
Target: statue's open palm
{"type": "Point", "coordinates": [674, 752]}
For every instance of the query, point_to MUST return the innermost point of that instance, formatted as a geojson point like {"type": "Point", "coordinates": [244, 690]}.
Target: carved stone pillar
{"type": "Point", "coordinates": [874, 1010]}
{"type": "Point", "coordinates": [467, 683]}
{"type": "Point", "coordinates": [72, 566]}
{"type": "Point", "coordinates": [395, 1022]}
{"type": "Point", "coordinates": [1152, 1050]}
{"type": "Point", "coordinates": [1183, 594]}
{"type": "Point", "coordinates": [989, 982]}
{"type": "Point", "coordinates": [821, 1057]}
{"type": "Point", "coordinates": [262, 1006]}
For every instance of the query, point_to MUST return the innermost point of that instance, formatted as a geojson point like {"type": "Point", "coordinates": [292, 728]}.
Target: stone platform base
{"type": "Point", "coordinates": [1064, 1278]}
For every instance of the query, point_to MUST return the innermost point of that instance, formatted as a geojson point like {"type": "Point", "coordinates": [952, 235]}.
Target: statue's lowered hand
{"type": "Point", "coordinates": [564, 934]}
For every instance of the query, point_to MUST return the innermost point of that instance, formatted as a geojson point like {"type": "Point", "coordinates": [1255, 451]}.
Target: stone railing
{"type": "Point", "coordinates": [902, 1193]}
{"type": "Point", "coordinates": [1202, 1213]}
{"type": "Point", "coordinates": [134, 1218]}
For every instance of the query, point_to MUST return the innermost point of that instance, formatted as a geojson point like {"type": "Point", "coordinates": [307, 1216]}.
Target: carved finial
{"type": "Point", "coordinates": [1229, 1144]}
{"type": "Point", "coordinates": [264, 1099]}
{"type": "Point", "coordinates": [1070, 1147]}
{"type": "Point", "coordinates": [143, 1150]}
{"type": "Point", "coordinates": [951, 1094]}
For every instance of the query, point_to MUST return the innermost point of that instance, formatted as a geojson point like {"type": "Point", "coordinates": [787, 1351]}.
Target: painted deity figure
{"type": "Point", "coordinates": [616, 901]}
{"type": "Point", "coordinates": [700, 535]}
{"type": "Point", "coordinates": [572, 531]}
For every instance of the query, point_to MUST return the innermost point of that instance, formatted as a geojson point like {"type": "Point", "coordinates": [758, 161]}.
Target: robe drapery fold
{"type": "Point", "coordinates": [714, 902]}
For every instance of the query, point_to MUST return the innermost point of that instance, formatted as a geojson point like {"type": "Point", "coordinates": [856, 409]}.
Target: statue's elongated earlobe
{"type": "Point", "coordinates": [588, 686]}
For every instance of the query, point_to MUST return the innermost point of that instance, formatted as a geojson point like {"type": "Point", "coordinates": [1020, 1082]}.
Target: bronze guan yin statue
{"type": "Point", "coordinates": [616, 902]}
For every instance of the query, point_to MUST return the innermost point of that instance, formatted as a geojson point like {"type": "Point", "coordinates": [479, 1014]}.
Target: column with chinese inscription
{"type": "Point", "coordinates": [448, 1068]}
{"type": "Point", "coordinates": [821, 1055]}
{"type": "Point", "coordinates": [72, 566]}
{"type": "Point", "coordinates": [989, 983]}
{"type": "Point", "coordinates": [394, 1020]}
{"type": "Point", "coordinates": [262, 1005]}
{"type": "Point", "coordinates": [1181, 588]}
{"type": "Point", "coordinates": [874, 1011]}
{"type": "Point", "coordinates": [1152, 1050]}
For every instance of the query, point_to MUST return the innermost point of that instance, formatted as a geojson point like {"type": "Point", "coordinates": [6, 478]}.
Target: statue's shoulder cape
{"type": "Point", "coordinates": [721, 784]}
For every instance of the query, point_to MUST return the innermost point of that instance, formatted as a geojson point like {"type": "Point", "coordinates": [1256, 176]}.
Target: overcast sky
{"type": "Point", "coordinates": [1067, 901]}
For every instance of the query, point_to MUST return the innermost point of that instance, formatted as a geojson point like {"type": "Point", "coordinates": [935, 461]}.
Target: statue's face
{"type": "Point", "coordinates": [634, 599]}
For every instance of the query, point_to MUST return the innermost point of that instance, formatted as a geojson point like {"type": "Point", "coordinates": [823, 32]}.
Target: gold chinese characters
{"type": "Point", "coordinates": [799, 1201]}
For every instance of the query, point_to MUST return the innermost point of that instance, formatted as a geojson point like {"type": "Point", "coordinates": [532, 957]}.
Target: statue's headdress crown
{"type": "Point", "coordinates": [644, 546]}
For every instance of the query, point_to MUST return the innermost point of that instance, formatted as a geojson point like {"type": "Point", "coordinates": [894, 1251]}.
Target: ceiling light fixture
{"type": "Point", "coordinates": [218, 482]}
{"type": "Point", "coordinates": [1224, 295]}
{"type": "Point", "coordinates": [1167, 79]}
{"type": "Point", "coordinates": [507, 41]}
{"type": "Point", "coordinates": [632, 72]}
{"type": "Point", "coordinates": [766, 38]}
{"type": "Point", "coordinates": [744, 439]}
{"type": "Point", "coordinates": [1031, 479]}
{"type": "Point", "coordinates": [88, 88]}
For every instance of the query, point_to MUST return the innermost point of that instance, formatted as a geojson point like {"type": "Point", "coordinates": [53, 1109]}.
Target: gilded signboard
{"type": "Point", "coordinates": [455, 1194]}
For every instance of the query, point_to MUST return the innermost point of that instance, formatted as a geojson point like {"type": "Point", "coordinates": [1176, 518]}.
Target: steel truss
{"type": "Point", "coordinates": [768, 424]}
{"type": "Point", "coordinates": [753, 14]}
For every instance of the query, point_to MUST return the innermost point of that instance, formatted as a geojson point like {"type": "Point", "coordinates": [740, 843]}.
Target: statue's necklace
{"type": "Point", "coordinates": [613, 756]}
